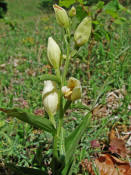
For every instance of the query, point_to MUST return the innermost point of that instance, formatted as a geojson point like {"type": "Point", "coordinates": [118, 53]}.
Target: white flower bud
{"type": "Point", "coordinates": [73, 90]}
{"type": "Point", "coordinates": [83, 31]}
{"type": "Point", "coordinates": [50, 97]}
{"type": "Point", "coordinates": [72, 11]}
{"type": "Point", "coordinates": [53, 53]}
{"type": "Point", "coordinates": [61, 16]}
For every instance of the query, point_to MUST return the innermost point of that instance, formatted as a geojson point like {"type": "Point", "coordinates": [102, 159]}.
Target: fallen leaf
{"type": "Point", "coordinates": [112, 135]}
{"type": "Point", "coordinates": [39, 112]}
{"type": "Point", "coordinates": [113, 99]}
{"type": "Point", "coordinates": [2, 66]}
{"type": "Point", "coordinates": [106, 164]}
{"type": "Point", "coordinates": [129, 141]}
{"type": "Point", "coordinates": [20, 102]}
{"type": "Point", "coordinates": [16, 62]}
{"type": "Point", "coordinates": [25, 104]}
{"type": "Point", "coordinates": [31, 72]}
{"type": "Point", "coordinates": [100, 111]}
{"type": "Point", "coordinates": [95, 144]}
{"type": "Point", "coordinates": [118, 146]}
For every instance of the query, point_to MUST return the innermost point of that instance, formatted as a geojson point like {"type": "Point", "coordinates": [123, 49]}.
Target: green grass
{"type": "Point", "coordinates": [21, 10]}
{"type": "Point", "coordinates": [23, 42]}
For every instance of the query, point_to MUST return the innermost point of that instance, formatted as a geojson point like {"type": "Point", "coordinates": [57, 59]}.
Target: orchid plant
{"type": "Point", "coordinates": [58, 94]}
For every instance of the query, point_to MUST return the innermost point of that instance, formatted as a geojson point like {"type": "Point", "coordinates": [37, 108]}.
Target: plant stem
{"type": "Point", "coordinates": [59, 146]}
{"type": "Point", "coordinates": [90, 47]}
{"type": "Point", "coordinates": [60, 123]}
{"type": "Point", "coordinates": [67, 105]}
{"type": "Point", "coordinates": [68, 56]}
{"type": "Point", "coordinates": [61, 114]}
{"type": "Point", "coordinates": [55, 150]}
{"type": "Point", "coordinates": [57, 70]}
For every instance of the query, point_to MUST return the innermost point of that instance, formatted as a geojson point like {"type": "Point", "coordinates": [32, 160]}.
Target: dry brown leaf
{"type": "Point", "coordinates": [113, 101]}
{"type": "Point", "coordinates": [95, 144]}
{"type": "Point", "coordinates": [107, 165]}
{"type": "Point", "coordinates": [112, 135]}
{"type": "Point", "coordinates": [2, 66]}
{"type": "Point", "coordinates": [31, 72]}
{"type": "Point", "coordinates": [129, 141]}
{"type": "Point", "coordinates": [20, 102]}
{"type": "Point", "coordinates": [16, 62]}
{"type": "Point", "coordinates": [118, 146]}
{"type": "Point", "coordinates": [100, 111]}
{"type": "Point", "coordinates": [39, 112]}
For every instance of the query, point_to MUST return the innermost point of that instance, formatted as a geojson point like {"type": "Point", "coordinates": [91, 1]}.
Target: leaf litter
{"type": "Point", "coordinates": [115, 160]}
{"type": "Point", "coordinates": [112, 162]}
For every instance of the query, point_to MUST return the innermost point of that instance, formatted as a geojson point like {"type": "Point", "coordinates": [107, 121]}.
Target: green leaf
{"type": "Point", "coordinates": [24, 170]}
{"type": "Point", "coordinates": [112, 5]}
{"type": "Point", "coordinates": [71, 142]}
{"type": "Point", "coordinates": [32, 119]}
{"type": "Point", "coordinates": [100, 5]}
{"type": "Point", "coordinates": [49, 77]}
{"type": "Point", "coordinates": [73, 139]}
{"type": "Point", "coordinates": [80, 13]}
{"type": "Point", "coordinates": [68, 168]}
{"type": "Point", "coordinates": [68, 3]}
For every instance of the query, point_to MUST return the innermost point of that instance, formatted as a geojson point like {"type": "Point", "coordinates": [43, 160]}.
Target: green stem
{"type": "Point", "coordinates": [57, 70]}
{"type": "Point", "coordinates": [59, 146]}
{"type": "Point", "coordinates": [65, 69]}
{"type": "Point", "coordinates": [67, 105]}
{"type": "Point", "coordinates": [55, 149]}
{"type": "Point", "coordinates": [55, 140]}
{"type": "Point", "coordinates": [60, 123]}
{"type": "Point", "coordinates": [61, 114]}
{"type": "Point", "coordinates": [68, 57]}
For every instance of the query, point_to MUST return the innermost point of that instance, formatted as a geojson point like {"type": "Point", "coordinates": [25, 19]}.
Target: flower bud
{"type": "Point", "coordinates": [50, 97]}
{"type": "Point", "coordinates": [72, 11]}
{"type": "Point", "coordinates": [61, 16]}
{"type": "Point", "coordinates": [73, 90]}
{"type": "Point", "coordinates": [53, 53]}
{"type": "Point", "coordinates": [83, 31]}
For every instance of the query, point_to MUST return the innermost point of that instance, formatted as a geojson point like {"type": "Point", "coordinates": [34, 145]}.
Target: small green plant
{"type": "Point", "coordinates": [58, 94]}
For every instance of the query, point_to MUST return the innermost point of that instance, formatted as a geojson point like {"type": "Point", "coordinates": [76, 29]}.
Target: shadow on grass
{"type": "Point", "coordinates": [11, 169]}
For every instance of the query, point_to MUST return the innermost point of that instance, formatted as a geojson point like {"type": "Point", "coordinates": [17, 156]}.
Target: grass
{"type": "Point", "coordinates": [23, 42]}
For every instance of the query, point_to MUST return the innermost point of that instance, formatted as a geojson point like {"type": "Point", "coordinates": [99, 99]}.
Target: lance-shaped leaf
{"type": "Point", "coordinates": [24, 170]}
{"type": "Point", "coordinates": [32, 119]}
{"type": "Point", "coordinates": [71, 142]}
